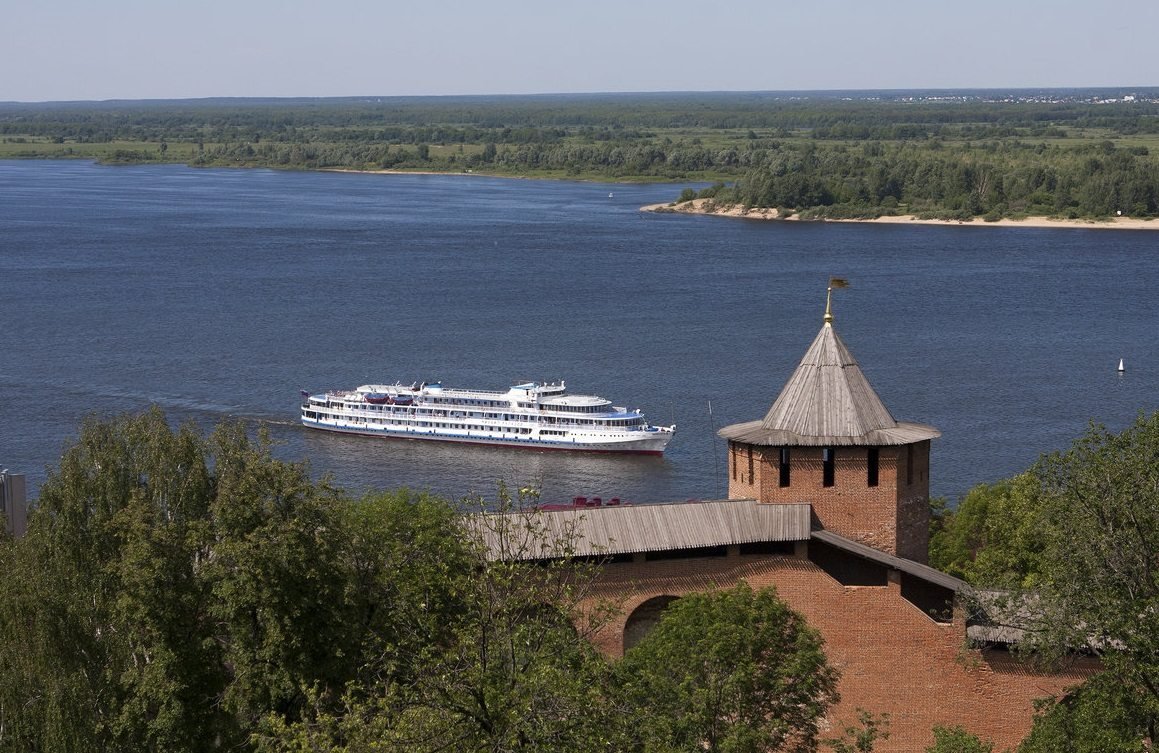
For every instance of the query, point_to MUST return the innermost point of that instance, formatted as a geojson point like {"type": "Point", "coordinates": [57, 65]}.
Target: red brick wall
{"type": "Point", "coordinates": [891, 656]}
{"type": "Point", "coordinates": [892, 516]}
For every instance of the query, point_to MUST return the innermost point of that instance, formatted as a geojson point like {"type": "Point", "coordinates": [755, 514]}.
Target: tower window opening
{"type": "Point", "coordinates": [827, 466]}
{"type": "Point", "coordinates": [871, 465]}
{"type": "Point", "coordinates": [909, 464]}
{"type": "Point", "coordinates": [783, 479]}
{"type": "Point", "coordinates": [750, 464]}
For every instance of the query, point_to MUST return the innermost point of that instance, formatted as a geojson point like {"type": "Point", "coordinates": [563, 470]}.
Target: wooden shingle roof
{"type": "Point", "coordinates": [828, 402]}
{"type": "Point", "coordinates": [916, 569]}
{"type": "Point", "coordinates": [627, 529]}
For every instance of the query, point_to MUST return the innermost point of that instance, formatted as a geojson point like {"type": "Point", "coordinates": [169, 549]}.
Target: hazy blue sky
{"type": "Point", "coordinates": [130, 49]}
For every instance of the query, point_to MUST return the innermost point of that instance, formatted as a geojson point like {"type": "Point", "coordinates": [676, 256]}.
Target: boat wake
{"type": "Point", "coordinates": [97, 398]}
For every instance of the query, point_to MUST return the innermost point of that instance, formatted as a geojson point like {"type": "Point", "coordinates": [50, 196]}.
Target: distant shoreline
{"type": "Point", "coordinates": [709, 208]}
{"type": "Point", "coordinates": [388, 171]}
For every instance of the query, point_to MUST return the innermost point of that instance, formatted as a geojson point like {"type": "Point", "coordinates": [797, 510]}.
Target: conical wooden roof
{"type": "Point", "coordinates": [826, 402]}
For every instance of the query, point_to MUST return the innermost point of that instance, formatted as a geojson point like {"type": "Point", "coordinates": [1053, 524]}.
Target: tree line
{"type": "Point", "coordinates": [821, 156]}
{"type": "Point", "coordinates": [1097, 180]}
{"type": "Point", "coordinates": [705, 110]}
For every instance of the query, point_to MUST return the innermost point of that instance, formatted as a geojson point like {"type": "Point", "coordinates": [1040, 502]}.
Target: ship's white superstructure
{"type": "Point", "coordinates": [536, 415]}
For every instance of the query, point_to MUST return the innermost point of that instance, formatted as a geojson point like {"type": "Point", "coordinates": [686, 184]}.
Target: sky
{"type": "Point", "coordinates": [54, 50]}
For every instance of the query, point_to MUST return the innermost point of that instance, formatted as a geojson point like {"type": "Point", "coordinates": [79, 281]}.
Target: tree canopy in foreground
{"type": "Point", "coordinates": [181, 592]}
{"type": "Point", "coordinates": [733, 671]}
{"type": "Point", "coordinates": [1075, 544]}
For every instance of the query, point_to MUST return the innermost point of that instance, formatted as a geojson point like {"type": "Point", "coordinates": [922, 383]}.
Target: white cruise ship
{"type": "Point", "coordinates": [541, 416]}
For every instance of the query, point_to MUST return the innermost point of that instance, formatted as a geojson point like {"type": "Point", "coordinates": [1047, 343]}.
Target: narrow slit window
{"type": "Point", "coordinates": [783, 479]}
{"type": "Point", "coordinates": [909, 464]}
{"type": "Point", "coordinates": [827, 466]}
{"type": "Point", "coordinates": [750, 464]}
{"type": "Point", "coordinates": [871, 465]}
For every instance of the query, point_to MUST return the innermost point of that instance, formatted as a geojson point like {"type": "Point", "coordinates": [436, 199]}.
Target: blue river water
{"type": "Point", "coordinates": [222, 293]}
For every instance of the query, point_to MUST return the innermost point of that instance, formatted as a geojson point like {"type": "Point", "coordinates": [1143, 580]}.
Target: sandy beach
{"type": "Point", "coordinates": [710, 208]}
{"type": "Point", "coordinates": [387, 171]}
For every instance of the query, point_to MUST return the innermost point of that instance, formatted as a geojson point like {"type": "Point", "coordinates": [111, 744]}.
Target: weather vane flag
{"type": "Point", "coordinates": [834, 282]}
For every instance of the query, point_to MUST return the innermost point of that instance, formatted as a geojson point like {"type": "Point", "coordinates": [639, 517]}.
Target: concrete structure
{"type": "Point", "coordinates": [13, 502]}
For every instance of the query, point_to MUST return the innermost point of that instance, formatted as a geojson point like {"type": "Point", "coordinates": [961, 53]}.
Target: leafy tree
{"type": "Point", "coordinates": [275, 574]}
{"type": "Point", "coordinates": [861, 737]}
{"type": "Point", "coordinates": [175, 590]}
{"type": "Point", "coordinates": [1100, 716]}
{"type": "Point", "coordinates": [1099, 585]}
{"type": "Point", "coordinates": [508, 668]}
{"type": "Point", "coordinates": [957, 740]}
{"type": "Point", "coordinates": [1076, 542]}
{"type": "Point", "coordinates": [729, 671]}
{"type": "Point", "coordinates": [992, 538]}
{"type": "Point", "coordinates": [90, 656]}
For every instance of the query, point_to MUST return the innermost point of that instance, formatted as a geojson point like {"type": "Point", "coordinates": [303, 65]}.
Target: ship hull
{"type": "Point", "coordinates": [643, 446]}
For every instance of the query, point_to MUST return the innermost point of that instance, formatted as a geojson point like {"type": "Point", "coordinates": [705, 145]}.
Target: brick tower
{"type": "Point", "coordinates": [829, 440]}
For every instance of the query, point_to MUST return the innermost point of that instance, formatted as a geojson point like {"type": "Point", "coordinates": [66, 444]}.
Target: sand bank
{"type": "Point", "coordinates": [709, 207]}
{"type": "Point", "coordinates": [386, 171]}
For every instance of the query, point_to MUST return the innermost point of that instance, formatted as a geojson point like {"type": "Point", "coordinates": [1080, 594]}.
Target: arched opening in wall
{"type": "Point", "coordinates": [643, 618]}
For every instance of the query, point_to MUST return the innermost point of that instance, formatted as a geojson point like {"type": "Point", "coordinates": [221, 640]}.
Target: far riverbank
{"type": "Point", "coordinates": [710, 208]}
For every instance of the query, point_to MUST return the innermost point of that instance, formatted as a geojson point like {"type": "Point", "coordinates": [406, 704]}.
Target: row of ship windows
{"type": "Point", "coordinates": [635, 421]}
{"type": "Point", "coordinates": [436, 424]}
{"type": "Point", "coordinates": [485, 404]}
{"type": "Point", "coordinates": [476, 403]}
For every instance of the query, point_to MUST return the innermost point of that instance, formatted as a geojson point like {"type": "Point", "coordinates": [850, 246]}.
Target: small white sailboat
{"type": "Point", "coordinates": [1121, 369]}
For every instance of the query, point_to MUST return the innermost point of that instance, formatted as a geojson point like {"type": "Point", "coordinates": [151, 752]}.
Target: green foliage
{"type": "Point", "coordinates": [507, 666]}
{"type": "Point", "coordinates": [175, 590]}
{"type": "Point", "coordinates": [862, 737]}
{"type": "Point", "coordinates": [512, 668]}
{"type": "Point", "coordinates": [1100, 716]}
{"type": "Point", "coordinates": [729, 671]}
{"type": "Point", "coordinates": [178, 592]}
{"type": "Point", "coordinates": [992, 537]}
{"type": "Point", "coordinates": [1099, 585]}
{"type": "Point", "coordinates": [957, 740]}
{"type": "Point", "coordinates": [1075, 542]}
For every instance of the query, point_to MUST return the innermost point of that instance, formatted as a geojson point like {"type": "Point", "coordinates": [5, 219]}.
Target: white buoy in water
{"type": "Point", "coordinates": [1121, 369]}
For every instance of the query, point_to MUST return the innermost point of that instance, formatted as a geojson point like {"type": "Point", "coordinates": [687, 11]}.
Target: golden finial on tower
{"type": "Point", "coordinates": [834, 282]}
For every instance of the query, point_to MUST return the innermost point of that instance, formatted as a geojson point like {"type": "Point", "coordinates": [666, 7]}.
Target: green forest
{"type": "Point", "coordinates": [819, 155]}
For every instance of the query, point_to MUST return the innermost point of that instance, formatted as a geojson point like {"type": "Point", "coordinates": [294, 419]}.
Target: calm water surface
{"type": "Point", "coordinates": [217, 293]}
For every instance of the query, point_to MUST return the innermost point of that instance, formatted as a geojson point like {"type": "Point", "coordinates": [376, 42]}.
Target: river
{"type": "Point", "coordinates": [221, 293]}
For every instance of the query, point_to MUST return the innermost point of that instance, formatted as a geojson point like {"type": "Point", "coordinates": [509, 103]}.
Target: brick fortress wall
{"type": "Point", "coordinates": [893, 658]}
